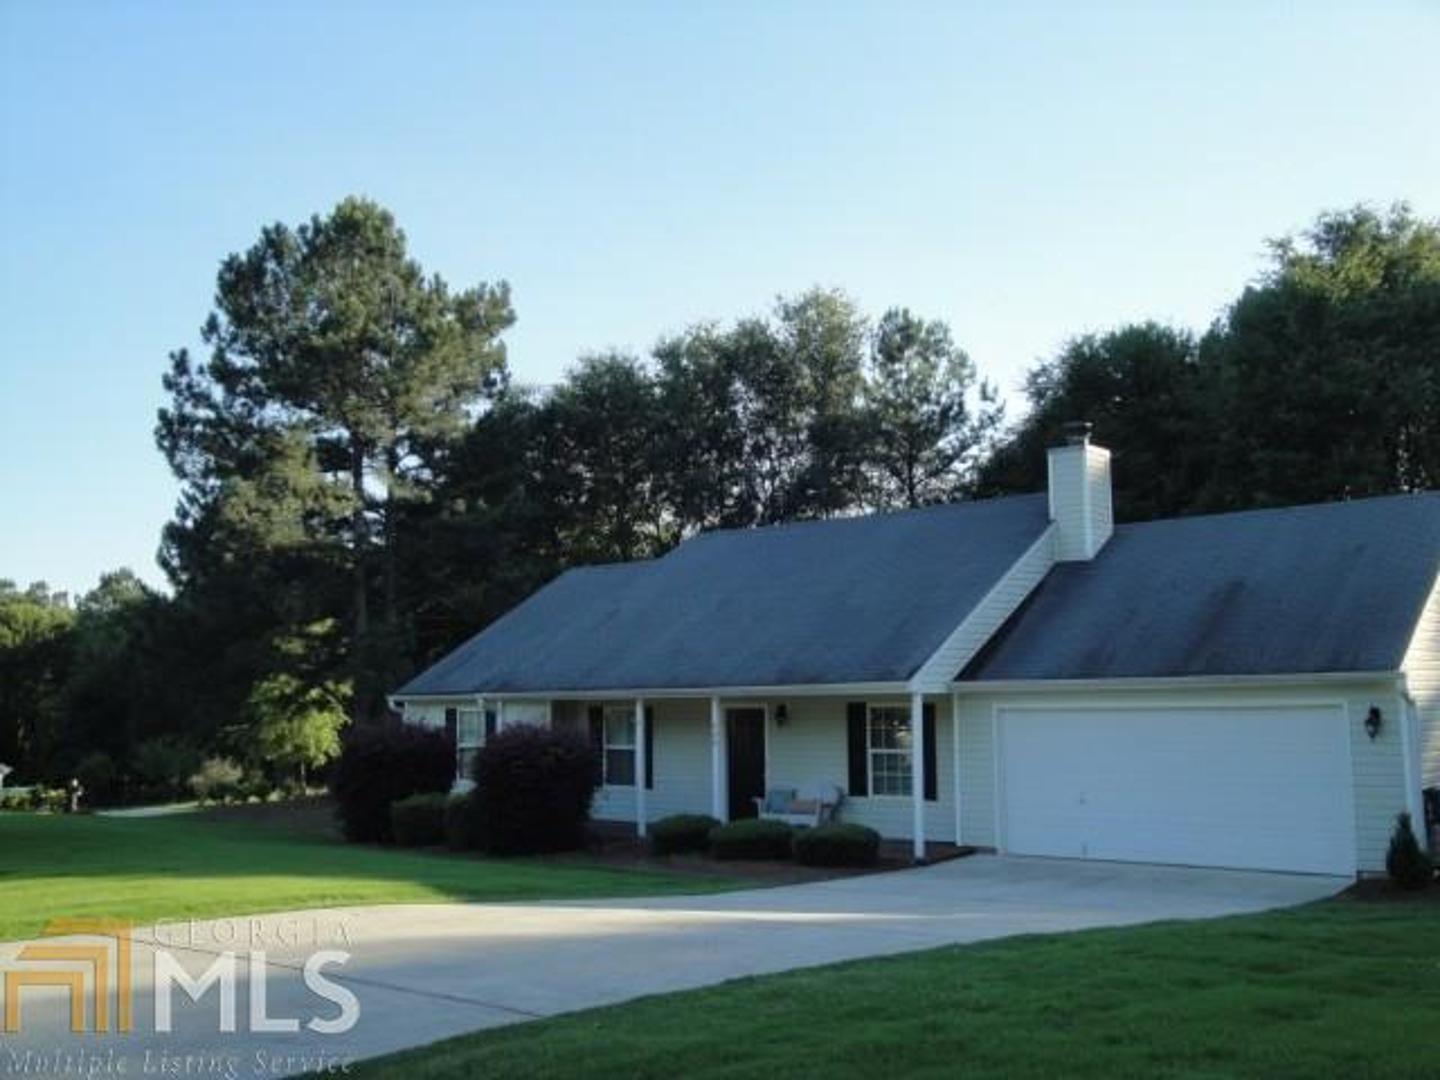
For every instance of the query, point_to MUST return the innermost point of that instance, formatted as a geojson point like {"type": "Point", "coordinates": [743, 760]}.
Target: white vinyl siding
{"type": "Point", "coordinates": [1422, 676]}
{"type": "Point", "coordinates": [534, 713]}
{"type": "Point", "coordinates": [431, 713]}
{"type": "Point", "coordinates": [811, 748]}
{"type": "Point", "coordinates": [681, 769]}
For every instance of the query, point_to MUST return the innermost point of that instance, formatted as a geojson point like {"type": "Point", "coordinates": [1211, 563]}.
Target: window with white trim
{"type": "Point", "coordinates": [469, 737]}
{"type": "Point", "coordinates": [618, 752]}
{"type": "Point", "coordinates": [888, 745]}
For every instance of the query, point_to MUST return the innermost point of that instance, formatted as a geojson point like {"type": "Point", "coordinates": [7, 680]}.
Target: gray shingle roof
{"type": "Point", "coordinates": [863, 599]}
{"type": "Point", "coordinates": [1335, 587]}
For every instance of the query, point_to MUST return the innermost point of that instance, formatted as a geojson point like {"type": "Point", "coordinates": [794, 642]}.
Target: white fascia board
{"type": "Point", "coordinates": [723, 692]}
{"type": "Point", "coordinates": [986, 617]}
{"type": "Point", "coordinates": [1170, 682]}
{"type": "Point", "coordinates": [467, 698]}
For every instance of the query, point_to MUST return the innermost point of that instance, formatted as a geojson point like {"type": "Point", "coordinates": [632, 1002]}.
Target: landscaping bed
{"type": "Point", "coordinates": [614, 843]}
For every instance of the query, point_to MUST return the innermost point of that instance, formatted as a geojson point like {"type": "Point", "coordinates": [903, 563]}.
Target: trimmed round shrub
{"type": "Point", "coordinates": [751, 838]}
{"type": "Point", "coordinates": [459, 823]}
{"type": "Point", "coordinates": [681, 832]}
{"type": "Point", "coordinates": [419, 820]}
{"type": "Point", "coordinates": [533, 788]}
{"type": "Point", "coordinates": [837, 845]}
{"type": "Point", "coordinates": [1406, 861]}
{"type": "Point", "coordinates": [382, 763]}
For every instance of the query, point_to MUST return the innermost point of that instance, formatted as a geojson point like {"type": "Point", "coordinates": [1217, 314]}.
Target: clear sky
{"type": "Point", "coordinates": [1026, 171]}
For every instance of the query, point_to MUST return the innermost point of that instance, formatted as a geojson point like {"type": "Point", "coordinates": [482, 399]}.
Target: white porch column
{"type": "Point", "coordinates": [917, 773]}
{"type": "Point", "coordinates": [719, 766]}
{"type": "Point", "coordinates": [639, 766]}
{"type": "Point", "coordinates": [955, 764]}
{"type": "Point", "coordinates": [499, 714]}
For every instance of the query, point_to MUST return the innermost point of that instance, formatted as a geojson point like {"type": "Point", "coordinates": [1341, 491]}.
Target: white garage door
{"type": "Point", "coordinates": [1262, 788]}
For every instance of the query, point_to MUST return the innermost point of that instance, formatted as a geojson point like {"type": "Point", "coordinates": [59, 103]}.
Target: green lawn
{"type": "Point", "coordinates": [1340, 988]}
{"type": "Point", "coordinates": [226, 864]}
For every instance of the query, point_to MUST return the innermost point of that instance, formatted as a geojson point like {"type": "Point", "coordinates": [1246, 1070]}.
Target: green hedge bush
{"type": "Point", "coordinates": [419, 820]}
{"type": "Point", "coordinates": [751, 838]}
{"type": "Point", "coordinates": [382, 763]}
{"type": "Point", "coordinates": [680, 833]}
{"type": "Point", "coordinates": [837, 845]}
{"type": "Point", "coordinates": [533, 788]}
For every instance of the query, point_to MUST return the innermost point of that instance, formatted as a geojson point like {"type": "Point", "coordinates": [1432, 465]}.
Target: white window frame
{"type": "Point", "coordinates": [466, 744]}
{"type": "Point", "coordinates": [904, 756]}
{"type": "Point", "coordinates": [625, 716]}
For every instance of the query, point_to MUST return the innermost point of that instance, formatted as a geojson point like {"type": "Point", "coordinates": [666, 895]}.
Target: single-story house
{"type": "Point", "coordinates": [1256, 689]}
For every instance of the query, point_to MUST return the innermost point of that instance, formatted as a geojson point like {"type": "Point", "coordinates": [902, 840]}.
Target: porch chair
{"type": "Point", "coordinates": [816, 805]}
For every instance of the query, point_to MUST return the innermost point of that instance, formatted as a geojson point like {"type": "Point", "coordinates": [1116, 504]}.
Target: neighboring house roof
{"type": "Point", "coordinates": [1336, 587]}
{"type": "Point", "coordinates": [849, 600]}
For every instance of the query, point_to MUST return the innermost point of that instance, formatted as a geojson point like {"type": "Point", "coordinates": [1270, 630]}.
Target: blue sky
{"type": "Point", "coordinates": [1025, 171]}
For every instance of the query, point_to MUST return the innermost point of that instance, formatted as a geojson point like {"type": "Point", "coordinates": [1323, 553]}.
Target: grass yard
{"type": "Point", "coordinates": [234, 863]}
{"type": "Point", "coordinates": [1341, 988]}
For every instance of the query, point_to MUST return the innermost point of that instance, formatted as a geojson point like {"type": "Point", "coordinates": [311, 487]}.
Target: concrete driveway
{"type": "Point", "coordinates": [424, 972]}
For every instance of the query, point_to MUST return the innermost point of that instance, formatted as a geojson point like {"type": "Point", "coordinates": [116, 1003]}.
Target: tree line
{"type": "Point", "coordinates": [364, 484]}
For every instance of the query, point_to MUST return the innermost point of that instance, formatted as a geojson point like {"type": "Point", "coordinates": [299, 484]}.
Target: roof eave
{"type": "Point", "coordinates": [596, 694]}
{"type": "Point", "coordinates": [1166, 682]}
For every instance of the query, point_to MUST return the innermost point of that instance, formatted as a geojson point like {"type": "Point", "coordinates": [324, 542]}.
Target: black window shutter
{"type": "Point", "coordinates": [597, 740]}
{"type": "Point", "coordinates": [932, 784]}
{"type": "Point", "coordinates": [859, 758]}
{"type": "Point", "coordinates": [649, 747]}
{"type": "Point", "coordinates": [452, 725]}
{"type": "Point", "coordinates": [492, 720]}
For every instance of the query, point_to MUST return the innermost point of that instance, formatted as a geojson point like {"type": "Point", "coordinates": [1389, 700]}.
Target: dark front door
{"type": "Point", "coordinates": [746, 738]}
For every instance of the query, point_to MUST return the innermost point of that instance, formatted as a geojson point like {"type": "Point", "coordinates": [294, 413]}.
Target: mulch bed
{"type": "Point", "coordinates": [616, 844]}
{"type": "Point", "coordinates": [612, 844]}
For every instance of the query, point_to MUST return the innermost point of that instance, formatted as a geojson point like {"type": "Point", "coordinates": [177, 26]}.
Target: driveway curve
{"type": "Point", "coordinates": [426, 972]}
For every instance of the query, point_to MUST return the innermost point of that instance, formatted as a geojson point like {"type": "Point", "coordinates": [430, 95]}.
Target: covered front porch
{"type": "Point", "coordinates": [891, 758]}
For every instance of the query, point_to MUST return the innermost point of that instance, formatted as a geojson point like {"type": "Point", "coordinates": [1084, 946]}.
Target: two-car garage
{"type": "Point", "coordinates": [1256, 786]}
